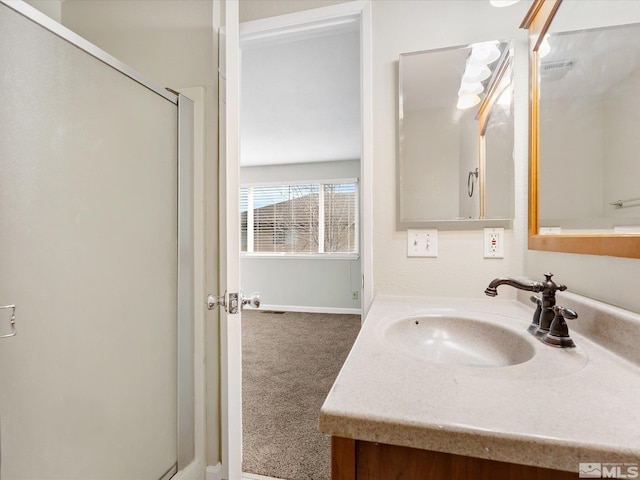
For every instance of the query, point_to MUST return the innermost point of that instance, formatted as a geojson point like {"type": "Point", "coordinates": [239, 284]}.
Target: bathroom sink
{"type": "Point", "coordinates": [456, 340]}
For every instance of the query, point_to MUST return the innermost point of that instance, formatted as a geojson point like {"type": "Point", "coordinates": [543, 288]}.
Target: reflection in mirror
{"type": "Point", "coordinates": [589, 104]}
{"type": "Point", "coordinates": [455, 139]}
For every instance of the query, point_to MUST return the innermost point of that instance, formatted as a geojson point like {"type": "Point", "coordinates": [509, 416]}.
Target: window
{"type": "Point", "coordinates": [301, 218]}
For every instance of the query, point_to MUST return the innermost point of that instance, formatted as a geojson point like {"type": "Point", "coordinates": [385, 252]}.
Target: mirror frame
{"type": "Point", "coordinates": [537, 22]}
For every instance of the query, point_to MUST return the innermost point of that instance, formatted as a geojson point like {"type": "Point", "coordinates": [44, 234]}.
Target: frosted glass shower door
{"type": "Point", "coordinates": [88, 254]}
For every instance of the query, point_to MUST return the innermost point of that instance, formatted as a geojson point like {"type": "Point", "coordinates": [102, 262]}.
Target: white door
{"type": "Point", "coordinates": [230, 332]}
{"type": "Point", "coordinates": [229, 212]}
{"type": "Point", "coordinates": [229, 218]}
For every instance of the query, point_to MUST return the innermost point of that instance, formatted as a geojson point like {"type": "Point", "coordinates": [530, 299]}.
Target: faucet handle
{"type": "Point", "coordinates": [558, 334]}
{"type": "Point", "coordinates": [565, 312]}
{"type": "Point", "coordinates": [556, 286]}
{"type": "Point", "coordinates": [535, 323]}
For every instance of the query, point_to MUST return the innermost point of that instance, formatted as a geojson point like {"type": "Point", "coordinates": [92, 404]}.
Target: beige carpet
{"type": "Point", "coordinates": [290, 361]}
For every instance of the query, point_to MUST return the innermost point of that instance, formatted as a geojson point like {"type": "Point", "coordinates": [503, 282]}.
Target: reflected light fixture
{"type": "Point", "coordinates": [503, 3]}
{"type": "Point", "coordinates": [504, 100]}
{"type": "Point", "coordinates": [484, 53]}
{"type": "Point", "coordinates": [544, 48]}
{"type": "Point", "coordinates": [473, 88]}
{"type": "Point", "coordinates": [476, 73]}
{"type": "Point", "coordinates": [467, 100]}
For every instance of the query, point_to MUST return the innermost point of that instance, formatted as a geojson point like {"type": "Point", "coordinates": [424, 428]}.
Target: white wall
{"type": "Point", "coordinates": [299, 284]}
{"type": "Point", "coordinates": [460, 269]}
{"type": "Point", "coordinates": [256, 9]}
{"type": "Point", "coordinates": [301, 172]}
{"type": "Point", "coordinates": [307, 285]}
{"type": "Point", "coordinates": [174, 44]}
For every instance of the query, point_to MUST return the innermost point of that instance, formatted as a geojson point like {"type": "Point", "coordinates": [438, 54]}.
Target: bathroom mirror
{"type": "Point", "coordinates": [455, 137]}
{"type": "Point", "coordinates": [585, 110]}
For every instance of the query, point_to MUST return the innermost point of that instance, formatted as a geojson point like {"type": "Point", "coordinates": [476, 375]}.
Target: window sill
{"type": "Point", "coordinates": [302, 256]}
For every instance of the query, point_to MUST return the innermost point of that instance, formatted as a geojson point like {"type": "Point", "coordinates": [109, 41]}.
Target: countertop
{"type": "Point", "coordinates": [558, 409]}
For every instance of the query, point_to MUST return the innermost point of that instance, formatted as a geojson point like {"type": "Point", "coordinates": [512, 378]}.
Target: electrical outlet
{"type": "Point", "coordinates": [422, 243]}
{"type": "Point", "coordinates": [494, 243]}
{"type": "Point", "coordinates": [355, 295]}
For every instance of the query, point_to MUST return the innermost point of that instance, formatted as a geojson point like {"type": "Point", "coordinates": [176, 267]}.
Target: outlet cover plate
{"type": "Point", "coordinates": [422, 243]}
{"type": "Point", "coordinates": [494, 243]}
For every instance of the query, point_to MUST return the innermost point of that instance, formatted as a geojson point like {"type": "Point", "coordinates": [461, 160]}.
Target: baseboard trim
{"type": "Point", "coordinates": [193, 471]}
{"type": "Point", "coordinates": [214, 472]}
{"type": "Point", "coordinates": [254, 476]}
{"type": "Point", "coordinates": [296, 308]}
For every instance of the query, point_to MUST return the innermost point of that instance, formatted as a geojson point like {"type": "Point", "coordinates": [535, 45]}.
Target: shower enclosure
{"type": "Point", "coordinates": [96, 256]}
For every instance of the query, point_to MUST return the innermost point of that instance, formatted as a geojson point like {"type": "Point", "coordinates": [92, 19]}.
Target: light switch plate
{"type": "Point", "coordinates": [494, 243]}
{"type": "Point", "coordinates": [422, 243]}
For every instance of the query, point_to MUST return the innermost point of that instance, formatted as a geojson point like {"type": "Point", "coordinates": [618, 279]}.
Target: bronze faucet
{"type": "Point", "coordinates": [548, 323]}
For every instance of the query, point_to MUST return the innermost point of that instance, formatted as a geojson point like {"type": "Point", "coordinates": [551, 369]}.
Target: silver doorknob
{"type": "Point", "coordinates": [252, 300]}
{"type": "Point", "coordinates": [229, 301]}
{"type": "Point", "coordinates": [214, 301]}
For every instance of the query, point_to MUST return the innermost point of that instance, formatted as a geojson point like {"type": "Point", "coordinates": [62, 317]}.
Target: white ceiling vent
{"type": "Point", "coordinates": [556, 70]}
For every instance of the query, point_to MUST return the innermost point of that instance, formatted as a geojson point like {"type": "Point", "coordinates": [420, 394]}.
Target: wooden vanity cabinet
{"type": "Point", "coordinates": [361, 460]}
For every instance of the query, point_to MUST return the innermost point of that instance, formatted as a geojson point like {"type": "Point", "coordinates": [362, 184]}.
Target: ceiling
{"type": "Point", "coordinates": [300, 98]}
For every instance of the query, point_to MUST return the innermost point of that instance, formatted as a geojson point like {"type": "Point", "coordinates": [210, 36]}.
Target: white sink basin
{"type": "Point", "coordinates": [455, 340]}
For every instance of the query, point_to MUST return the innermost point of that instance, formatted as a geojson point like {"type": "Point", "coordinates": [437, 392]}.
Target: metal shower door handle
{"type": "Point", "coordinates": [12, 321]}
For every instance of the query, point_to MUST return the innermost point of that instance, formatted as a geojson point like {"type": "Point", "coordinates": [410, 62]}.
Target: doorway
{"type": "Point", "coordinates": [302, 202]}
{"type": "Point", "coordinates": [231, 345]}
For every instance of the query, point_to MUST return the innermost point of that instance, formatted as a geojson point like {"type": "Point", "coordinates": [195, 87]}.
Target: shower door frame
{"type": "Point", "coordinates": [186, 454]}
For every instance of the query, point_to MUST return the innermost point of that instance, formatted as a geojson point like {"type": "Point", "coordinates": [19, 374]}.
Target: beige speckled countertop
{"type": "Point", "coordinates": [560, 408]}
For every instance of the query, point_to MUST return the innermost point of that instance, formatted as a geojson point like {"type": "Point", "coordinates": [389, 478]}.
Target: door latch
{"type": "Point", "coordinates": [229, 301]}
{"type": "Point", "coordinates": [233, 301]}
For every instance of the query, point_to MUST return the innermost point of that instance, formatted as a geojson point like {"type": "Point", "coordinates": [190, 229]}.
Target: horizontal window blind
{"type": "Point", "coordinates": [307, 218]}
